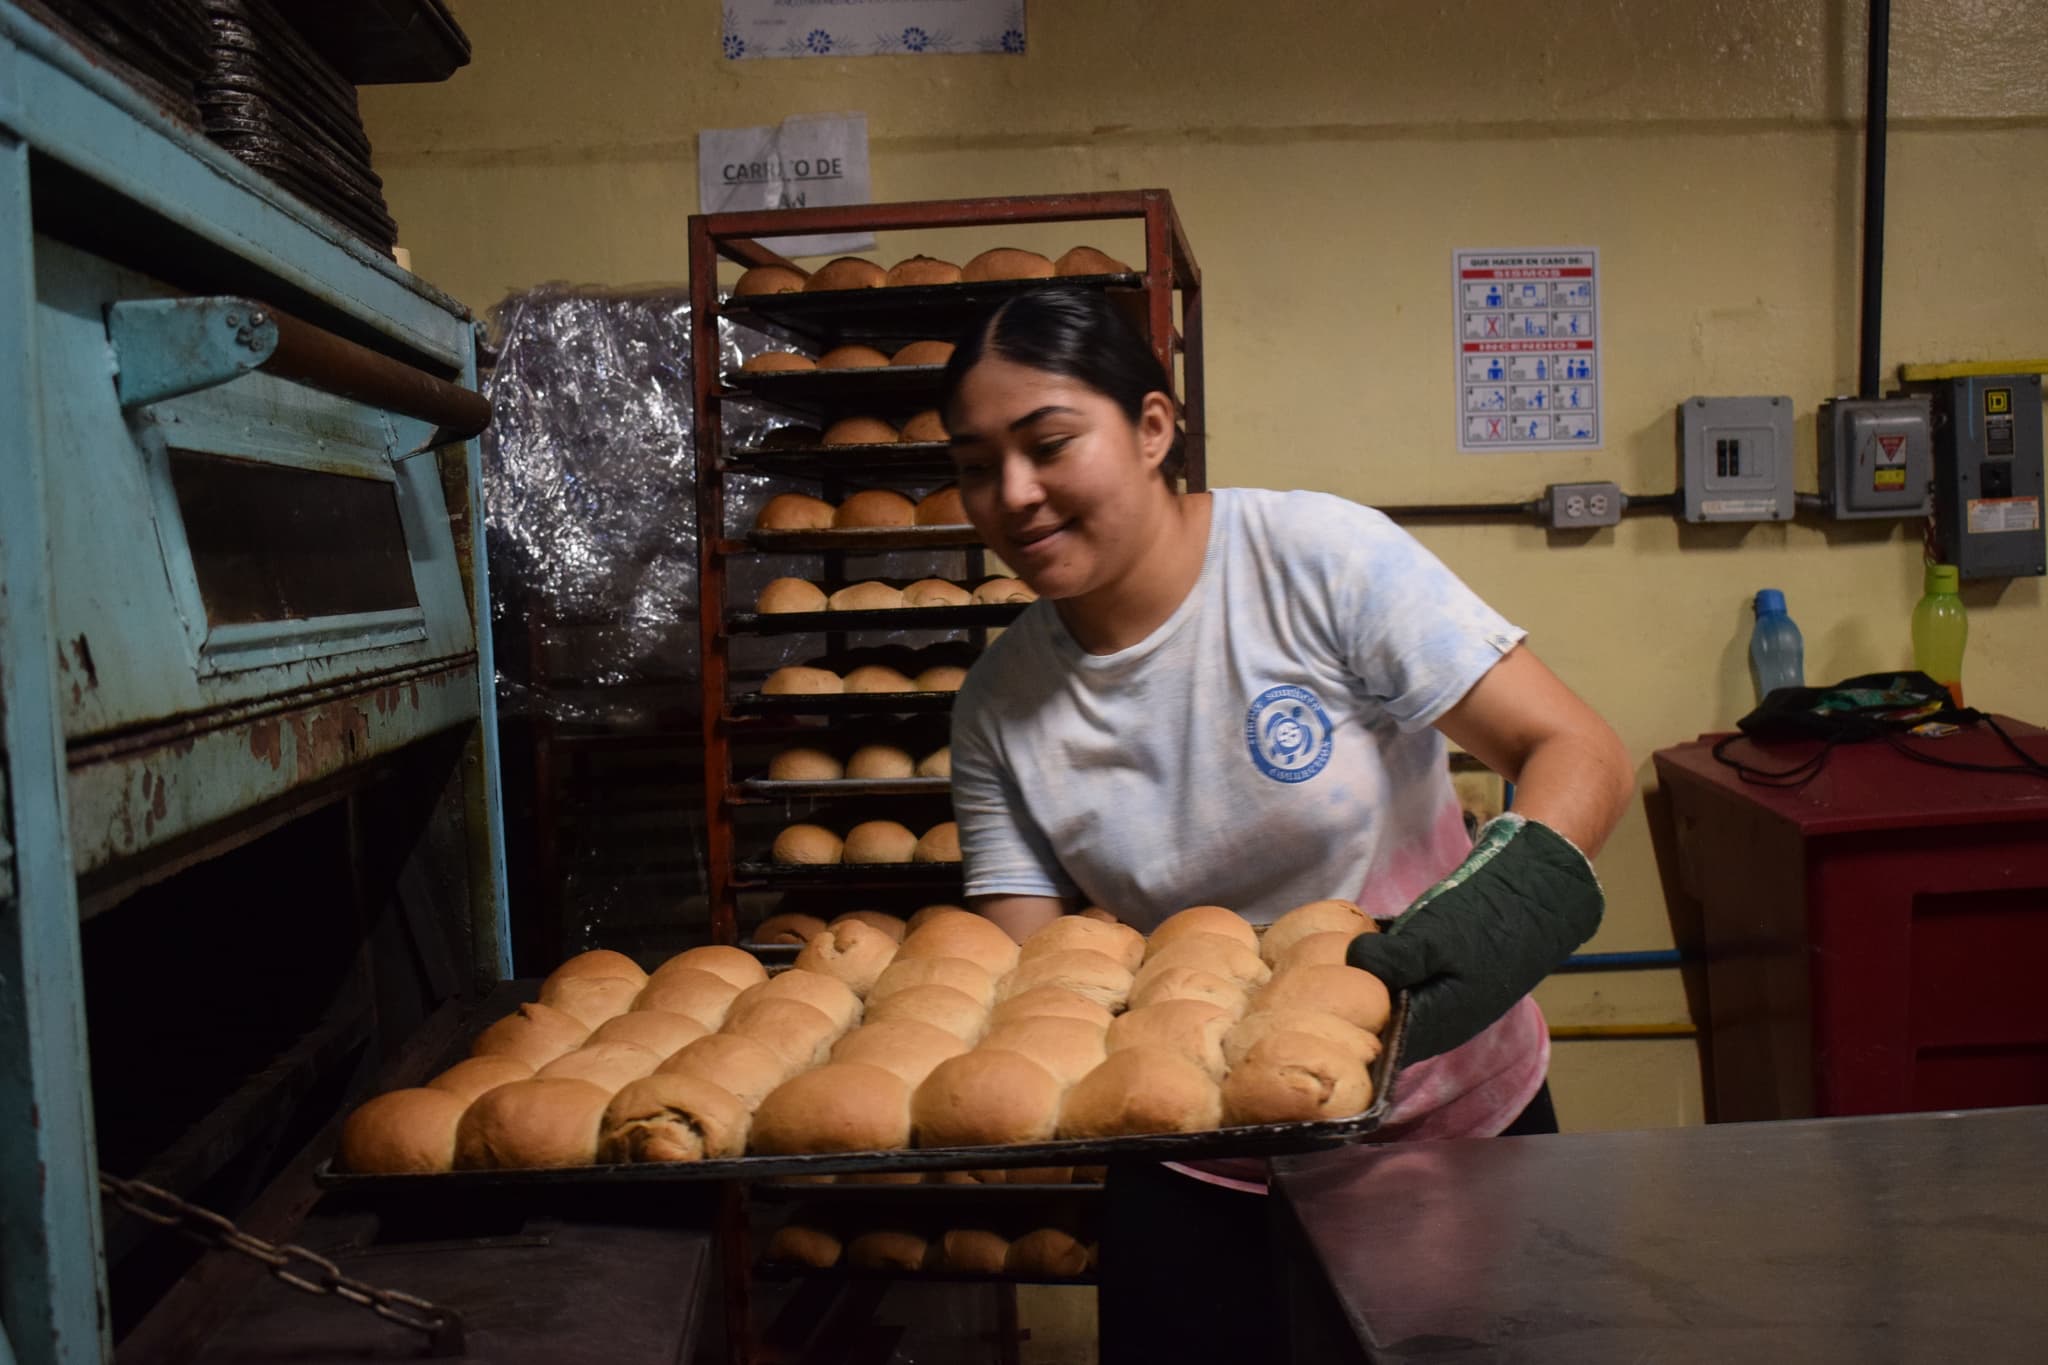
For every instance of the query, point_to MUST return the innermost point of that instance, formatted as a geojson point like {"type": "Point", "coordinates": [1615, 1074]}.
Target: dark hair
{"type": "Point", "coordinates": [1076, 334]}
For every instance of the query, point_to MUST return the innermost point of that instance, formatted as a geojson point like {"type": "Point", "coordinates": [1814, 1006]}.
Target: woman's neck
{"type": "Point", "coordinates": [1120, 613]}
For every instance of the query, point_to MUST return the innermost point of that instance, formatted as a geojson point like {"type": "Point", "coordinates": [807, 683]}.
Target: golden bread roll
{"type": "Point", "coordinates": [689, 992]}
{"type": "Point", "coordinates": [939, 844]}
{"type": "Point", "coordinates": [860, 431]}
{"type": "Point", "coordinates": [534, 1034]}
{"type": "Point", "coordinates": [905, 1048]}
{"type": "Point", "coordinates": [985, 1099]}
{"type": "Point", "coordinates": [1295, 1078]}
{"type": "Point", "coordinates": [1051, 1253]}
{"type": "Point", "coordinates": [923, 353]}
{"type": "Point", "coordinates": [877, 678]}
{"type": "Point", "coordinates": [942, 678]}
{"type": "Point", "coordinates": [1215, 954]}
{"type": "Point", "coordinates": [1142, 1089]}
{"type": "Point", "coordinates": [868, 596]}
{"type": "Point", "coordinates": [528, 1124]}
{"type": "Point", "coordinates": [474, 1075]}
{"type": "Point", "coordinates": [1086, 260]}
{"type": "Point", "coordinates": [1118, 941]}
{"type": "Point", "coordinates": [922, 270]}
{"type": "Point", "coordinates": [956, 973]}
{"type": "Point", "coordinates": [1202, 919]}
{"type": "Point", "coordinates": [888, 1249]}
{"type": "Point", "coordinates": [970, 1251]}
{"type": "Point", "coordinates": [938, 763]}
{"type": "Point", "coordinates": [936, 592]}
{"type": "Point", "coordinates": [1098, 913]}
{"type": "Point", "coordinates": [879, 762]}
{"type": "Point", "coordinates": [1006, 263]}
{"type": "Point", "coordinates": [957, 1012]}
{"type": "Point", "coordinates": [846, 272]}
{"type": "Point", "coordinates": [1087, 973]}
{"type": "Point", "coordinates": [769, 279]}
{"type": "Point", "coordinates": [1354, 996]}
{"type": "Point", "coordinates": [852, 358]}
{"type": "Point", "coordinates": [942, 508]}
{"type": "Point", "coordinates": [843, 1107]}
{"type": "Point", "coordinates": [1193, 1028]}
{"type": "Point", "coordinates": [607, 1066]}
{"type": "Point", "coordinates": [591, 999]}
{"type": "Point", "coordinates": [597, 962]}
{"type": "Point", "coordinates": [805, 765]}
{"type": "Point", "coordinates": [872, 507]}
{"type": "Point", "coordinates": [745, 1068]}
{"type": "Point", "coordinates": [828, 995]}
{"type": "Point", "coordinates": [660, 1032]}
{"type": "Point", "coordinates": [892, 925]}
{"type": "Point", "coordinates": [1054, 1001]}
{"type": "Point", "coordinates": [925, 914]}
{"type": "Point", "coordinates": [879, 841]}
{"type": "Point", "coordinates": [952, 932]}
{"type": "Point", "coordinates": [1192, 983]}
{"type": "Point", "coordinates": [802, 1034]}
{"type": "Point", "coordinates": [1317, 917]}
{"type": "Point", "coordinates": [673, 1117]}
{"type": "Point", "coordinates": [777, 362]}
{"type": "Point", "coordinates": [798, 681]}
{"type": "Point", "coordinates": [786, 595]}
{"type": "Point", "coordinates": [849, 952]}
{"type": "Point", "coordinates": [1068, 1048]}
{"type": "Point", "coordinates": [1317, 949]}
{"type": "Point", "coordinates": [794, 512]}
{"type": "Point", "coordinates": [925, 426]}
{"type": "Point", "coordinates": [1246, 1033]}
{"type": "Point", "coordinates": [807, 846]}
{"type": "Point", "coordinates": [403, 1132]}
{"type": "Point", "coordinates": [1001, 589]}
{"type": "Point", "coordinates": [798, 1244]}
{"type": "Point", "coordinates": [735, 965]}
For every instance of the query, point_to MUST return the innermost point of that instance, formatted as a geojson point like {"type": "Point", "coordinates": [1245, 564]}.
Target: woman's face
{"type": "Point", "coordinates": [1057, 480]}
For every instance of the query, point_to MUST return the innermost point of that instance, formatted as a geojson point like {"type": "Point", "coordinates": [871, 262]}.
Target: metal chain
{"type": "Point", "coordinates": [294, 1265]}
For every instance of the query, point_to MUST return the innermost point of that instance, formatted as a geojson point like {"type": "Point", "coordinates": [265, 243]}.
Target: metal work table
{"type": "Point", "coordinates": [1889, 1238]}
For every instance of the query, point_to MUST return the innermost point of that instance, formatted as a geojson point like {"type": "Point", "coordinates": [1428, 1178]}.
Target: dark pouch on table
{"type": "Point", "coordinates": [1880, 706]}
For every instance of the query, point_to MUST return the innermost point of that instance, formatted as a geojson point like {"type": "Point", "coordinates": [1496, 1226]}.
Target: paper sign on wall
{"type": "Point", "coordinates": [1528, 342]}
{"type": "Point", "coordinates": [871, 28]}
{"type": "Point", "coordinates": [797, 163]}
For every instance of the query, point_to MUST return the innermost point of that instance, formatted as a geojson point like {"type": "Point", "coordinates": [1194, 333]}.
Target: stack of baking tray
{"type": "Point", "coordinates": [159, 46]}
{"type": "Point", "coordinates": [270, 99]}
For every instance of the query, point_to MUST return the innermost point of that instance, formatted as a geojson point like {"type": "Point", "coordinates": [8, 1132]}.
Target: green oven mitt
{"type": "Point", "coordinates": [1480, 939]}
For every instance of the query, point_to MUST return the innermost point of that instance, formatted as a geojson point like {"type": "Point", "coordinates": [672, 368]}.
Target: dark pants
{"type": "Point", "coordinates": [1188, 1273]}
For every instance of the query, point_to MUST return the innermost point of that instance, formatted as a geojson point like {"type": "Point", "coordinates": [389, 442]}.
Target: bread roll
{"type": "Point", "coordinates": [923, 353]}
{"type": "Point", "coordinates": [905, 1048]}
{"type": "Point", "coordinates": [850, 952]}
{"type": "Point", "coordinates": [957, 1012]}
{"type": "Point", "coordinates": [403, 1132]}
{"type": "Point", "coordinates": [534, 1034]}
{"type": "Point", "coordinates": [798, 681]}
{"type": "Point", "coordinates": [591, 999]}
{"type": "Point", "coordinates": [536, 1123]}
{"type": "Point", "coordinates": [800, 1244]}
{"type": "Point", "coordinates": [1086, 260]}
{"type": "Point", "coordinates": [1050, 1253]}
{"type": "Point", "coordinates": [953, 932]}
{"type": "Point", "coordinates": [807, 846]}
{"type": "Point", "coordinates": [942, 508]}
{"type": "Point", "coordinates": [971, 1251]}
{"type": "Point", "coordinates": [474, 1075]}
{"type": "Point", "coordinates": [597, 962]}
{"type": "Point", "coordinates": [852, 358]}
{"type": "Point", "coordinates": [1118, 941]}
{"type": "Point", "coordinates": [925, 426]}
{"type": "Point", "coordinates": [1212, 953]}
{"type": "Point", "coordinates": [777, 362]}
{"type": "Point", "coordinates": [923, 270]}
{"type": "Point", "coordinates": [786, 595]}
{"type": "Point", "coordinates": [745, 1068]}
{"type": "Point", "coordinates": [936, 592]}
{"type": "Point", "coordinates": [1192, 983]}
{"type": "Point", "coordinates": [938, 763]}
{"type": "Point", "coordinates": [1068, 1048]}
{"type": "Point", "coordinates": [942, 678]}
{"type": "Point", "coordinates": [876, 678]}
{"type": "Point", "coordinates": [660, 1032]}
{"type": "Point", "coordinates": [1193, 1028]}
{"type": "Point", "coordinates": [860, 431]}
{"type": "Point", "coordinates": [1142, 1089]}
{"type": "Point", "coordinates": [1317, 949]}
{"type": "Point", "coordinates": [1087, 973]}
{"type": "Point", "coordinates": [1001, 589]}
{"type": "Point", "coordinates": [879, 841]}
{"type": "Point", "coordinates": [1317, 917]}
{"type": "Point", "coordinates": [687, 991]}
{"type": "Point", "coordinates": [985, 1099]}
{"type": "Point", "coordinates": [828, 995]}
{"type": "Point", "coordinates": [888, 1249]}
{"type": "Point", "coordinates": [846, 272]}
{"type": "Point", "coordinates": [843, 1107]}
{"type": "Point", "coordinates": [801, 1034]}
{"type": "Point", "coordinates": [868, 596]}
{"type": "Point", "coordinates": [925, 914]}
{"type": "Point", "coordinates": [1295, 1078]}
{"type": "Point", "coordinates": [939, 844]}
{"type": "Point", "coordinates": [956, 973]}
{"type": "Point", "coordinates": [1202, 919]}
{"type": "Point", "coordinates": [794, 512]}
{"type": "Point", "coordinates": [805, 765]}
{"type": "Point", "coordinates": [1006, 263]}
{"type": "Point", "coordinates": [883, 762]}
{"type": "Point", "coordinates": [607, 1066]}
{"type": "Point", "coordinates": [735, 965]}
{"type": "Point", "coordinates": [892, 925]}
{"type": "Point", "coordinates": [1054, 1001]}
{"type": "Point", "coordinates": [1354, 996]}
{"type": "Point", "coordinates": [872, 507]}
{"type": "Point", "coordinates": [673, 1117]}
{"type": "Point", "coordinates": [769, 279]}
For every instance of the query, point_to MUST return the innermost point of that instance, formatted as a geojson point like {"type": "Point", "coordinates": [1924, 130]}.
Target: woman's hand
{"type": "Point", "coordinates": [1019, 916]}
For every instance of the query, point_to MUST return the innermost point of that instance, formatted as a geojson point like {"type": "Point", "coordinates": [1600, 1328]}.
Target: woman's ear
{"type": "Point", "coordinates": [1156, 429]}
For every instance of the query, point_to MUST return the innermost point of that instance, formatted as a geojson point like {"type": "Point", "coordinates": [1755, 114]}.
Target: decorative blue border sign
{"type": "Point", "coordinates": [871, 28]}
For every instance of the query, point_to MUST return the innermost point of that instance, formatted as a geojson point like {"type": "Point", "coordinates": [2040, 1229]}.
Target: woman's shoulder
{"type": "Point", "coordinates": [1305, 522]}
{"type": "Point", "coordinates": [1017, 664]}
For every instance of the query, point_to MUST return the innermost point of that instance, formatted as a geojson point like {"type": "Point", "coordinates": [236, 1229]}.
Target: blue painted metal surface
{"type": "Point", "coordinates": [167, 347]}
{"type": "Point", "coordinates": [496, 952]}
{"type": "Point", "coordinates": [1643, 960]}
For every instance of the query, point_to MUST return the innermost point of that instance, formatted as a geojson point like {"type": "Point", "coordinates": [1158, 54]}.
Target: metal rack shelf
{"type": "Point", "coordinates": [911, 313]}
{"type": "Point", "coordinates": [768, 789]}
{"type": "Point", "coordinates": [930, 461]}
{"type": "Point", "coordinates": [860, 540]}
{"type": "Point", "coordinates": [840, 704]}
{"type": "Point", "coordinates": [832, 876]}
{"type": "Point", "coordinates": [892, 386]}
{"type": "Point", "coordinates": [976, 617]}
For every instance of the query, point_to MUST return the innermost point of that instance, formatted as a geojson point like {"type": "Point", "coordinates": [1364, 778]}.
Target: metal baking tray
{"type": "Point", "coordinates": [771, 789]}
{"type": "Point", "coordinates": [907, 313]}
{"type": "Point", "coordinates": [903, 459]}
{"type": "Point", "coordinates": [910, 387]}
{"type": "Point", "coordinates": [975, 615]}
{"type": "Point", "coordinates": [769, 1270]}
{"type": "Point", "coordinates": [851, 875]}
{"type": "Point", "coordinates": [865, 539]}
{"type": "Point", "coordinates": [942, 1195]}
{"type": "Point", "coordinates": [842, 703]}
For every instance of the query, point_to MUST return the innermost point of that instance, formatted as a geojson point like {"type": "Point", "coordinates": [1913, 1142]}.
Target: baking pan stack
{"type": "Point", "coordinates": [158, 46]}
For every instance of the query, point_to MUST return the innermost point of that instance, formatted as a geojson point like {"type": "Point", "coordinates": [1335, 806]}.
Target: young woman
{"type": "Point", "coordinates": [1241, 698]}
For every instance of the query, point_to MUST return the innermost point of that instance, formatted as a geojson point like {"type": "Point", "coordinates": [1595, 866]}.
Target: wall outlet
{"type": "Point", "coordinates": [1576, 505]}
{"type": "Point", "coordinates": [1736, 458]}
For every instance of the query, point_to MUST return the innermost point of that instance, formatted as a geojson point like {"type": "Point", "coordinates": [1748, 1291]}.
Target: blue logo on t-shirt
{"type": "Point", "coordinates": [1288, 733]}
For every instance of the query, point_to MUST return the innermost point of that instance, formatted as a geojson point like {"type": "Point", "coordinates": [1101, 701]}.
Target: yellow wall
{"type": "Point", "coordinates": [1326, 159]}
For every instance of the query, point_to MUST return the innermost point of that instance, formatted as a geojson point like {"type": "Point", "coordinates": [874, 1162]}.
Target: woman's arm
{"type": "Point", "coordinates": [1019, 916]}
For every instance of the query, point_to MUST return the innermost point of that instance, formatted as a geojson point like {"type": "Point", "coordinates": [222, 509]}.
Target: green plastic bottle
{"type": "Point", "coordinates": [1941, 628]}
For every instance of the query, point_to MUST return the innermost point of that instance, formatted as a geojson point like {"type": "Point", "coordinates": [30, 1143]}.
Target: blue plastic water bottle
{"type": "Point", "coordinates": [1777, 656]}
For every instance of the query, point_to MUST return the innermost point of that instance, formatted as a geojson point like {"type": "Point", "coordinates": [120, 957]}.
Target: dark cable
{"type": "Point", "coordinates": [1877, 60]}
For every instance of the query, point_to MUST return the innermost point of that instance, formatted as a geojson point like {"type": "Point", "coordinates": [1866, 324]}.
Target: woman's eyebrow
{"type": "Point", "coordinates": [1028, 418]}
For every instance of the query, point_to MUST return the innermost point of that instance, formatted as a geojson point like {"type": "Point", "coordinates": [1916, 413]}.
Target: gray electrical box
{"type": "Point", "coordinates": [1735, 456]}
{"type": "Point", "coordinates": [1987, 474]}
{"type": "Point", "coordinates": [1876, 456]}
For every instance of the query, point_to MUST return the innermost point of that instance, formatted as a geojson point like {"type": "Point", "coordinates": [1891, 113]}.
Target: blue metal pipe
{"type": "Point", "coordinates": [1624, 962]}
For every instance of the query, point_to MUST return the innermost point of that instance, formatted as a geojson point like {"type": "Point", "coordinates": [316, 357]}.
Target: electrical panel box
{"type": "Point", "coordinates": [1877, 456]}
{"type": "Point", "coordinates": [1736, 458]}
{"type": "Point", "coordinates": [1987, 475]}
